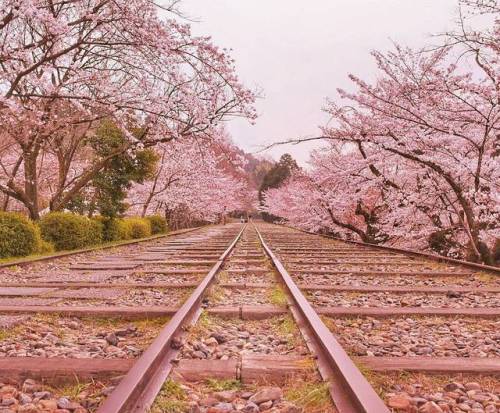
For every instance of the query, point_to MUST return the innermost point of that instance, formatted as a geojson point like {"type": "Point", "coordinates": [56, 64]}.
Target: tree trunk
{"type": "Point", "coordinates": [31, 183]}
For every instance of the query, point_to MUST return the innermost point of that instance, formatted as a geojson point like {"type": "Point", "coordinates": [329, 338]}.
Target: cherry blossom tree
{"type": "Point", "coordinates": [350, 193]}
{"type": "Point", "coordinates": [438, 120]}
{"type": "Point", "coordinates": [202, 182]}
{"type": "Point", "coordinates": [338, 195]}
{"type": "Point", "coordinates": [67, 65]}
{"type": "Point", "coordinates": [429, 127]}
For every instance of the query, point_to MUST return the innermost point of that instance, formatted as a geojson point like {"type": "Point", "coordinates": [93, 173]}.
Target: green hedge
{"type": "Point", "coordinates": [46, 247]}
{"type": "Point", "coordinates": [158, 224]}
{"type": "Point", "coordinates": [137, 228]}
{"type": "Point", "coordinates": [70, 231]}
{"type": "Point", "coordinates": [114, 229]}
{"type": "Point", "coordinates": [56, 231]}
{"type": "Point", "coordinates": [18, 235]}
{"type": "Point", "coordinates": [118, 229]}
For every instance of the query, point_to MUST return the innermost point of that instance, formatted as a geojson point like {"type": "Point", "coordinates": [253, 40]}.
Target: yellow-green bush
{"type": "Point", "coordinates": [137, 228]}
{"type": "Point", "coordinates": [46, 247]}
{"type": "Point", "coordinates": [95, 232]}
{"type": "Point", "coordinates": [158, 224]}
{"type": "Point", "coordinates": [68, 231]}
{"type": "Point", "coordinates": [121, 229]}
{"type": "Point", "coordinates": [18, 235]}
{"type": "Point", "coordinates": [56, 231]}
{"type": "Point", "coordinates": [113, 229]}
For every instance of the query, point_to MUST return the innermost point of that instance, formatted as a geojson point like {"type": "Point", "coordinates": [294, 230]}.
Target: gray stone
{"type": "Point", "coordinates": [430, 407]}
{"type": "Point", "coordinates": [251, 407]}
{"type": "Point", "coordinates": [42, 395]}
{"type": "Point", "coordinates": [224, 407]}
{"type": "Point", "coordinates": [24, 398]}
{"type": "Point", "coordinates": [112, 339]}
{"type": "Point", "coordinates": [267, 394]}
{"type": "Point", "coordinates": [266, 405]}
{"type": "Point", "coordinates": [290, 408]}
{"type": "Point", "coordinates": [225, 396]}
{"type": "Point", "coordinates": [8, 401]}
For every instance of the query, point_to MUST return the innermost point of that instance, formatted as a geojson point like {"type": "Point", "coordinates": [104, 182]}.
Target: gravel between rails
{"type": "Point", "coordinates": [416, 393]}
{"type": "Point", "coordinates": [60, 266]}
{"type": "Point", "coordinates": [158, 278]}
{"type": "Point", "coordinates": [239, 296]}
{"type": "Point", "coordinates": [169, 297]}
{"type": "Point", "coordinates": [386, 299]}
{"type": "Point", "coordinates": [475, 281]}
{"type": "Point", "coordinates": [370, 267]}
{"type": "Point", "coordinates": [425, 336]}
{"type": "Point", "coordinates": [215, 396]}
{"type": "Point", "coordinates": [248, 278]}
{"type": "Point", "coordinates": [52, 336]}
{"type": "Point", "coordinates": [31, 396]}
{"type": "Point", "coordinates": [216, 338]}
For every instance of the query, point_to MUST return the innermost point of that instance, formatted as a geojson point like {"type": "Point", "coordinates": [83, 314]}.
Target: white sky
{"type": "Point", "coordinates": [300, 52]}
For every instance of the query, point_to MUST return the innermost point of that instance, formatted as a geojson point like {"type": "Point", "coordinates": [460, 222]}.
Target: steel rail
{"type": "Point", "coordinates": [427, 255]}
{"type": "Point", "coordinates": [138, 389]}
{"type": "Point", "coordinates": [349, 389]}
{"type": "Point", "coordinates": [63, 254]}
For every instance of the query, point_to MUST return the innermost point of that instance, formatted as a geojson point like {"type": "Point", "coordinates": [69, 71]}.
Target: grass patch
{"type": "Point", "coordinates": [221, 385]}
{"type": "Point", "coordinates": [286, 328]}
{"type": "Point", "coordinates": [13, 268]}
{"type": "Point", "coordinates": [151, 323]}
{"type": "Point", "coordinates": [374, 378]}
{"type": "Point", "coordinates": [143, 324]}
{"type": "Point", "coordinates": [486, 277]}
{"type": "Point", "coordinates": [312, 397]}
{"type": "Point", "coordinates": [285, 325]}
{"type": "Point", "coordinates": [72, 391]}
{"type": "Point", "coordinates": [75, 390]}
{"type": "Point", "coordinates": [203, 324]}
{"type": "Point", "coordinates": [171, 399]}
{"type": "Point", "coordinates": [6, 334]}
{"type": "Point", "coordinates": [216, 294]}
{"type": "Point", "coordinates": [329, 322]}
{"type": "Point", "coordinates": [223, 277]}
{"type": "Point", "coordinates": [278, 297]}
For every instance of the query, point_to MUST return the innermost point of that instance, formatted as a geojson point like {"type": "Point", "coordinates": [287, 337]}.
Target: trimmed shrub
{"type": "Point", "coordinates": [113, 229]}
{"type": "Point", "coordinates": [138, 228]}
{"type": "Point", "coordinates": [18, 235]}
{"type": "Point", "coordinates": [46, 247]}
{"type": "Point", "coordinates": [102, 221]}
{"type": "Point", "coordinates": [158, 224]}
{"type": "Point", "coordinates": [95, 234]}
{"type": "Point", "coordinates": [121, 229]}
{"type": "Point", "coordinates": [70, 231]}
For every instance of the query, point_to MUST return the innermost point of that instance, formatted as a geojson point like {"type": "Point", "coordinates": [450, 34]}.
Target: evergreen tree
{"type": "Point", "coordinates": [274, 178]}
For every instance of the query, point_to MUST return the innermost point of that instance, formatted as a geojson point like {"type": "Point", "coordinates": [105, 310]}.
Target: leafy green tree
{"type": "Point", "coordinates": [274, 178]}
{"type": "Point", "coordinates": [108, 189]}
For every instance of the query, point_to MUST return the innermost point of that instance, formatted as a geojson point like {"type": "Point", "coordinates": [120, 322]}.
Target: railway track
{"type": "Point", "coordinates": [248, 318]}
{"type": "Point", "coordinates": [425, 333]}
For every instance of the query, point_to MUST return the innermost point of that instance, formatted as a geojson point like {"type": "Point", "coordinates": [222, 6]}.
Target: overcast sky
{"type": "Point", "coordinates": [300, 52]}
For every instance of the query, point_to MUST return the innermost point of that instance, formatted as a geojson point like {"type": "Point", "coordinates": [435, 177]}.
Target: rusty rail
{"type": "Point", "coordinates": [138, 389]}
{"type": "Point", "coordinates": [349, 389]}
